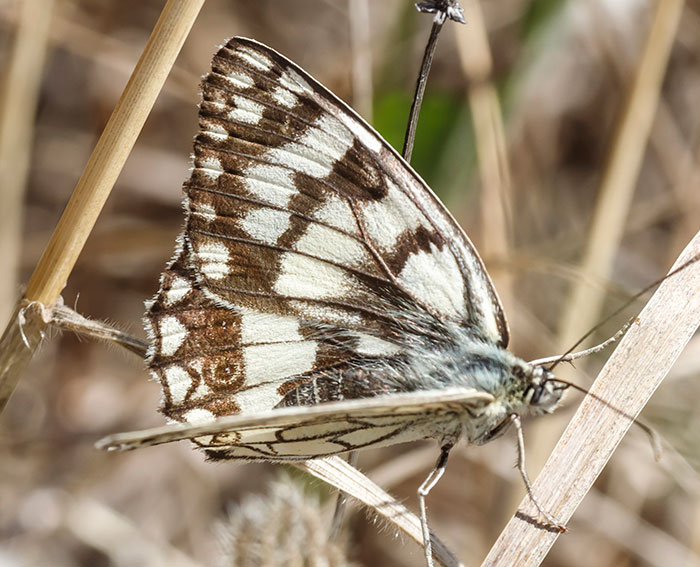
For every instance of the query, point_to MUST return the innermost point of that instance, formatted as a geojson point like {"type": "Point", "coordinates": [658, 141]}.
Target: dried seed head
{"type": "Point", "coordinates": [284, 527]}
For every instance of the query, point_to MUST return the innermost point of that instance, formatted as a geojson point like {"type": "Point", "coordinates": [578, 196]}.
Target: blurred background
{"type": "Point", "coordinates": [541, 131]}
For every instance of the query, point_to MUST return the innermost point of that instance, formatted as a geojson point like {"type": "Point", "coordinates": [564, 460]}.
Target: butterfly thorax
{"type": "Point", "coordinates": [472, 361]}
{"type": "Point", "coordinates": [466, 360]}
{"type": "Point", "coordinates": [518, 388]}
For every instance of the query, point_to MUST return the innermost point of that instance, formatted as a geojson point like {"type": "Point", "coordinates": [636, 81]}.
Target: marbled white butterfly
{"type": "Point", "coordinates": [320, 295]}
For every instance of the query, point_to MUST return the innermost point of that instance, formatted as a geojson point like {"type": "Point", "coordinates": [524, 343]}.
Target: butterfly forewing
{"type": "Point", "coordinates": [312, 255]}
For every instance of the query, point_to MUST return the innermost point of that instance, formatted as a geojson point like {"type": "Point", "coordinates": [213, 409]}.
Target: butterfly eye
{"type": "Point", "coordinates": [544, 396]}
{"type": "Point", "coordinates": [537, 392]}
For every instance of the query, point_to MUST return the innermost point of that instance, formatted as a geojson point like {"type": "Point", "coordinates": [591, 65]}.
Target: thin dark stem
{"type": "Point", "coordinates": [443, 9]}
{"type": "Point", "coordinates": [420, 88]}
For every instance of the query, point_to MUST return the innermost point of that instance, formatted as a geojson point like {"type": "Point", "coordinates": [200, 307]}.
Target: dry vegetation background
{"type": "Point", "coordinates": [562, 72]}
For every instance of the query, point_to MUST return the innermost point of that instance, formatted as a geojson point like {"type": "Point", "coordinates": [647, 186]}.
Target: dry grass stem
{"type": "Point", "coordinates": [622, 388]}
{"type": "Point", "coordinates": [362, 89]}
{"type": "Point", "coordinates": [20, 92]}
{"type": "Point", "coordinates": [621, 173]}
{"type": "Point", "coordinates": [112, 150]}
{"type": "Point", "coordinates": [68, 319]}
{"type": "Point", "coordinates": [475, 58]}
{"type": "Point", "coordinates": [20, 340]}
{"type": "Point", "coordinates": [336, 472]}
{"type": "Point", "coordinates": [96, 182]}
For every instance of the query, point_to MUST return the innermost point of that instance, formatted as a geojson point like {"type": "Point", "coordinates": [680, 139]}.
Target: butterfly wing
{"type": "Point", "coordinates": [311, 249]}
{"type": "Point", "coordinates": [297, 205]}
{"type": "Point", "coordinates": [297, 433]}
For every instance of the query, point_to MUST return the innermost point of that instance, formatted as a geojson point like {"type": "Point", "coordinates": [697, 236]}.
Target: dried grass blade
{"type": "Point", "coordinates": [336, 472]}
{"type": "Point", "coordinates": [626, 383]}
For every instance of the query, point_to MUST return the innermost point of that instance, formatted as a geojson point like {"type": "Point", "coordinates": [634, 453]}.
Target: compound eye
{"type": "Point", "coordinates": [537, 394]}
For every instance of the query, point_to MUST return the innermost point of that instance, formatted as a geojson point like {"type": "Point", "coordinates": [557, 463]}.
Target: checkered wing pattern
{"type": "Point", "coordinates": [312, 257]}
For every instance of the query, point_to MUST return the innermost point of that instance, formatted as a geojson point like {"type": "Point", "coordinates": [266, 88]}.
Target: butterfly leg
{"type": "Point", "coordinates": [571, 356]}
{"type": "Point", "coordinates": [423, 492]}
{"type": "Point", "coordinates": [68, 319]}
{"type": "Point", "coordinates": [523, 473]}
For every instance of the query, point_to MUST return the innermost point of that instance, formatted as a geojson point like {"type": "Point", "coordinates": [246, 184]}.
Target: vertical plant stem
{"type": "Point", "coordinates": [621, 173]}
{"type": "Point", "coordinates": [407, 151]}
{"type": "Point", "coordinates": [475, 57]}
{"type": "Point", "coordinates": [90, 194]}
{"type": "Point", "coordinates": [489, 132]}
{"type": "Point", "coordinates": [362, 90]}
{"type": "Point", "coordinates": [21, 83]}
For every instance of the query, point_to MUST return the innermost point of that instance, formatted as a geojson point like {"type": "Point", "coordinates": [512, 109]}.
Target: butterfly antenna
{"type": "Point", "coordinates": [568, 354]}
{"type": "Point", "coordinates": [654, 438]}
{"type": "Point", "coordinates": [568, 384]}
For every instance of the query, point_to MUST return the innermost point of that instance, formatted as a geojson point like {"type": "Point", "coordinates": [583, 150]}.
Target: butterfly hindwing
{"type": "Point", "coordinates": [214, 361]}
{"type": "Point", "coordinates": [297, 433]}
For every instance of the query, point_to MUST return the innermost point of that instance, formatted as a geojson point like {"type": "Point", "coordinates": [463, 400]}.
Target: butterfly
{"type": "Point", "coordinates": [321, 299]}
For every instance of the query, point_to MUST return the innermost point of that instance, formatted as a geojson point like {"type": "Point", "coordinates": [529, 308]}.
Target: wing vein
{"type": "Point", "coordinates": [257, 243]}
{"type": "Point", "coordinates": [271, 206]}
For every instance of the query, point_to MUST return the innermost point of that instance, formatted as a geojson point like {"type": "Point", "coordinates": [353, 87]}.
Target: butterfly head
{"type": "Point", "coordinates": [544, 392]}
{"type": "Point", "coordinates": [527, 390]}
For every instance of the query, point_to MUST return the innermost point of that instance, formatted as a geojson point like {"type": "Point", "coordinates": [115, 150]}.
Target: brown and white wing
{"type": "Point", "coordinates": [300, 433]}
{"type": "Point", "coordinates": [297, 206]}
{"type": "Point", "coordinates": [310, 249]}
